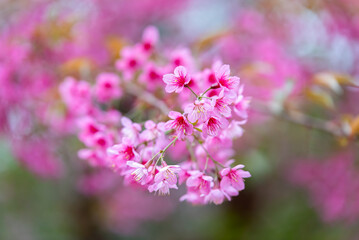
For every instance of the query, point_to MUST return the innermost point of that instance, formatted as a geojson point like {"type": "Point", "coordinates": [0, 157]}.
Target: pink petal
{"type": "Point", "coordinates": [245, 174]}
{"type": "Point", "coordinates": [207, 178]}
{"type": "Point", "coordinates": [126, 122]}
{"type": "Point", "coordinates": [150, 124]}
{"type": "Point", "coordinates": [169, 78]}
{"type": "Point", "coordinates": [223, 72]}
{"type": "Point", "coordinates": [179, 89]}
{"type": "Point", "coordinates": [225, 183]}
{"type": "Point", "coordinates": [174, 114]}
{"type": "Point", "coordinates": [180, 71]}
{"type": "Point", "coordinates": [238, 166]}
{"type": "Point", "coordinates": [134, 164]}
{"type": "Point", "coordinates": [192, 182]}
{"type": "Point", "coordinates": [150, 34]}
{"type": "Point", "coordinates": [171, 88]}
{"type": "Point", "coordinates": [225, 172]}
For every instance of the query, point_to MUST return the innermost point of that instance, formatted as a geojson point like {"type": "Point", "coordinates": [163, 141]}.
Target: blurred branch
{"type": "Point", "coordinates": [147, 97]}
{"type": "Point", "coordinates": [300, 119]}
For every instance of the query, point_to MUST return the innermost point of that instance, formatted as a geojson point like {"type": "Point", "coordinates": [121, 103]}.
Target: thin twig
{"type": "Point", "coordinates": [147, 97]}
{"type": "Point", "coordinates": [190, 149]}
{"type": "Point", "coordinates": [208, 154]}
{"type": "Point", "coordinates": [162, 152]}
{"type": "Point", "coordinates": [191, 90]}
{"type": "Point", "coordinates": [300, 119]}
{"type": "Point", "coordinates": [202, 95]}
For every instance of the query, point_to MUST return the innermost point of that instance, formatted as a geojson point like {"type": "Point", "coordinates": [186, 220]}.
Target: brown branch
{"type": "Point", "coordinates": [147, 97]}
{"type": "Point", "coordinates": [301, 119]}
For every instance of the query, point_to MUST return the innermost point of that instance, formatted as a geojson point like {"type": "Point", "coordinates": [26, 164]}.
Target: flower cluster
{"type": "Point", "coordinates": [207, 112]}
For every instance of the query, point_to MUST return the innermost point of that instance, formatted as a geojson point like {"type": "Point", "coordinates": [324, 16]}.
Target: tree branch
{"type": "Point", "coordinates": [301, 119]}
{"type": "Point", "coordinates": [147, 97]}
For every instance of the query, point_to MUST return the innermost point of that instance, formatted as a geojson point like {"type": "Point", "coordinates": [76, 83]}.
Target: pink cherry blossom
{"type": "Point", "coordinates": [149, 38]}
{"type": "Point", "coordinates": [151, 132]}
{"type": "Point", "coordinates": [95, 157]}
{"type": "Point", "coordinates": [241, 104]}
{"type": "Point", "coordinates": [221, 104]}
{"type": "Point", "coordinates": [232, 179]}
{"type": "Point", "coordinates": [199, 182]}
{"type": "Point", "coordinates": [131, 60]}
{"type": "Point", "coordinates": [210, 77]}
{"type": "Point", "coordinates": [130, 130]}
{"type": "Point", "coordinates": [176, 82]}
{"type": "Point", "coordinates": [216, 196]}
{"type": "Point", "coordinates": [140, 147]}
{"type": "Point", "coordinates": [234, 129]}
{"type": "Point", "coordinates": [121, 153]}
{"type": "Point", "coordinates": [102, 140]}
{"type": "Point", "coordinates": [193, 197]}
{"type": "Point", "coordinates": [76, 95]}
{"type": "Point", "coordinates": [141, 172]}
{"type": "Point", "coordinates": [165, 179]}
{"type": "Point", "coordinates": [107, 87]}
{"type": "Point", "coordinates": [152, 76]}
{"type": "Point", "coordinates": [198, 111]}
{"type": "Point", "coordinates": [111, 117]}
{"type": "Point", "coordinates": [184, 174]}
{"type": "Point", "coordinates": [88, 128]}
{"type": "Point", "coordinates": [182, 57]}
{"type": "Point", "coordinates": [225, 80]}
{"type": "Point", "coordinates": [179, 123]}
{"type": "Point", "coordinates": [213, 125]}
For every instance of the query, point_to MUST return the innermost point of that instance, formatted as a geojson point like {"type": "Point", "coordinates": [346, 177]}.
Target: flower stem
{"type": "Point", "coordinates": [202, 95]}
{"type": "Point", "coordinates": [209, 155]}
{"type": "Point", "coordinates": [191, 90]}
{"type": "Point", "coordinates": [162, 152]}
{"type": "Point", "coordinates": [146, 97]}
{"type": "Point", "coordinates": [190, 149]}
{"type": "Point", "coordinates": [155, 156]}
{"type": "Point", "coordinates": [172, 142]}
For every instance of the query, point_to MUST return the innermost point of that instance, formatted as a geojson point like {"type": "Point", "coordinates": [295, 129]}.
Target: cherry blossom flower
{"type": "Point", "coordinates": [176, 82]}
{"type": "Point", "coordinates": [182, 57]}
{"type": "Point", "coordinates": [121, 153]}
{"type": "Point", "coordinates": [134, 149]}
{"type": "Point", "coordinates": [141, 172]}
{"type": "Point", "coordinates": [130, 130]}
{"type": "Point", "coordinates": [149, 38]}
{"type": "Point", "coordinates": [152, 131]}
{"type": "Point", "coordinates": [131, 60]}
{"type": "Point", "coordinates": [216, 196]}
{"type": "Point", "coordinates": [88, 128]}
{"type": "Point", "coordinates": [232, 179]}
{"type": "Point", "coordinates": [193, 197]}
{"type": "Point", "coordinates": [221, 104]}
{"type": "Point", "coordinates": [224, 79]}
{"type": "Point", "coordinates": [241, 104]}
{"type": "Point", "coordinates": [102, 140]}
{"type": "Point", "coordinates": [152, 76]}
{"type": "Point", "coordinates": [165, 179]}
{"type": "Point", "coordinates": [199, 182]}
{"type": "Point", "coordinates": [95, 157]}
{"type": "Point", "coordinates": [213, 125]}
{"type": "Point", "coordinates": [107, 87]}
{"type": "Point", "coordinates": [234, 129]}
{"type": "Point", "coordinates": [76, 95]}
{"type": "Point", "coordinates": [179, 123]}
{"type": "Point", "coordinates": [198, 111]}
